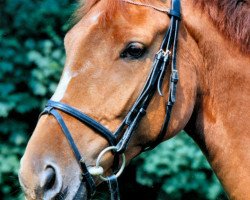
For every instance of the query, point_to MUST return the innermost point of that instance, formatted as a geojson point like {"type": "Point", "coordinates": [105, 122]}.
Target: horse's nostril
{"type": "Point", "coordinates": [50, 179]}
{"type": "Point", "coordinates": [51, 182]}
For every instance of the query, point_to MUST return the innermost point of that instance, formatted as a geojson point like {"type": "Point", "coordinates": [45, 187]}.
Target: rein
{"type": "Point", "coordinates": [131, 121]}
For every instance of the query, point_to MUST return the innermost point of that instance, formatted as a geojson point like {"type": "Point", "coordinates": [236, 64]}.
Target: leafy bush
{"type": "Point", "coordinates": [181, 171]}
{"type": "Point", "coordinates": [31, 60]}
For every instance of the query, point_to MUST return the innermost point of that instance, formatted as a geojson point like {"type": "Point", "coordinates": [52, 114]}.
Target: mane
{"type": "Point", "coordinates": [231, 17]}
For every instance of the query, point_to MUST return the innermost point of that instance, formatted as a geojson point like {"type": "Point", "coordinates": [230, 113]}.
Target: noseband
{"type": "Point", "coordinates": [131, 121]}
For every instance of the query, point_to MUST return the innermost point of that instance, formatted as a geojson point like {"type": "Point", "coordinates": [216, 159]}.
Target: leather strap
{"type": "Point", "coordinates": [172, 36]}
{"type": "Point", "coordinates": [155, 80]}
{"type": "Point", "coordinates": [84, 119]}
{"type": "Point", "coordinates": [85, 173]}
{"type": "Point", "coordinates": [176, 7]}
{"type": "Point", "coordinates": [139, 108]}
{"type": "Point", "coordinates": [113, 188]}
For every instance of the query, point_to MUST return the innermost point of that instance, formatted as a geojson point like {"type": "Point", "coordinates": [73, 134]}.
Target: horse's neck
{"type": "Point", "coordinates": [221, 118]}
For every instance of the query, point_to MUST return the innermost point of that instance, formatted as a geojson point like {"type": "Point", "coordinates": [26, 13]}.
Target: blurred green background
{"type": "Point", "coordinates": [31, 60]}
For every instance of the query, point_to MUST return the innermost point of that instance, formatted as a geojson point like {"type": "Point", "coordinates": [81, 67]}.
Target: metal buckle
{"type": "Point", "coordinates": [161, 54]}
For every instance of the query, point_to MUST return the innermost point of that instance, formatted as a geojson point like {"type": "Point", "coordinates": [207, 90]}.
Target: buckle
{"type": "Point", "coordinates": [161, 54]}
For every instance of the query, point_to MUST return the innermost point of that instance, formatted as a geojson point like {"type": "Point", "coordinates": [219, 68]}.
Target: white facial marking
{"type": "Point", "coordinates": [82, 69]}
{"type": "Point", "coordinates": [94, 18]}
{"type": "Point", "coordinates": [62, 87]}
{"type": "Point", "coordinates": [66, 77]}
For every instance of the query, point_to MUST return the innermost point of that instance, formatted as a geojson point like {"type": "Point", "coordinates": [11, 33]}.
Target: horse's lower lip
{"type": "Point", "coordinates": [80, 194]}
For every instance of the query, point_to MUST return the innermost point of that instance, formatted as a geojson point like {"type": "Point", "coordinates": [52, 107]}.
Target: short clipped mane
{"type": "Point", "coordinates": [231, 17]}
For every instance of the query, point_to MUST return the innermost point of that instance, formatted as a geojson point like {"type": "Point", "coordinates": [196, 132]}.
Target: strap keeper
{"type": "Point", "coordinates": [170, 104]}
{"type": "Point", "coordinates": [166, 55]}
{"type": "Point", "coordinates": [175, 14]}
{"type": "Point", "coordinates": [160, 54]}
{"type": "Point", "coordinates": [174, 76]}
{"type": "Point", "coordinates": [48, 109]}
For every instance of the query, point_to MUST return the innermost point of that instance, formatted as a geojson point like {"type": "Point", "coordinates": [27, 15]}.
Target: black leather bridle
{"type": "Point", "coordinates": [131, 121]}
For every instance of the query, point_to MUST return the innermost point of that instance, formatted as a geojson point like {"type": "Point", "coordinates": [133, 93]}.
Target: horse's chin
{"type": "Point", "coordinates": [81, 193]}
{"type": "Point", "coordinates": [73, 193]}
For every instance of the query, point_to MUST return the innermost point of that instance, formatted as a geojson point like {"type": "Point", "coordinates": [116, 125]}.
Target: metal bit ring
{"type": "Point", "coordinates": [101, 155]}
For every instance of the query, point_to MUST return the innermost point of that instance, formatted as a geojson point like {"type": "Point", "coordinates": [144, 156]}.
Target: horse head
{"type": "Point", "coordinates": [109, 54]}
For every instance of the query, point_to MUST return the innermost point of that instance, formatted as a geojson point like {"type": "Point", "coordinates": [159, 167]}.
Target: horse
{"type": "Point", "coordinates": [104, 90]}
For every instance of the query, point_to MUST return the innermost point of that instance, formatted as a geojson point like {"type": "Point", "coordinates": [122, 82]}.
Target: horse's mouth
{"type": "Point", "coordinates": [81, 193]}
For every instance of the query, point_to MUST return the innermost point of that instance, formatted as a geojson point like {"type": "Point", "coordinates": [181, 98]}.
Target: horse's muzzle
{"type": "Point", "coordinates": [45, 183]}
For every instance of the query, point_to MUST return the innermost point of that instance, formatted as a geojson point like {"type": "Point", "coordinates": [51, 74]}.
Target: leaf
{"type": "Point", "coordinates": [5, 108]}
{"type": "Point", "coordinates": [6, 66]}
{"type": "Point", "coordinates": [179, 165]}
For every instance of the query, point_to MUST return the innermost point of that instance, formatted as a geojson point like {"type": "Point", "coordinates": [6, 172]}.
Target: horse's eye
{"type": "Point", "coordinates": [134, 50]}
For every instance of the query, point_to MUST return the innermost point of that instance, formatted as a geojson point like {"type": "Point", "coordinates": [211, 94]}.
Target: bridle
{"type": "Point", "coordinates": [130, 123]}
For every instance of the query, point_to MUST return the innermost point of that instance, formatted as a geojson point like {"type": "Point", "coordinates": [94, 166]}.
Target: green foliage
{"type": "Point", "coordinates": [31, 60]}
{"type": "Point", "coordinates": [180, 169]}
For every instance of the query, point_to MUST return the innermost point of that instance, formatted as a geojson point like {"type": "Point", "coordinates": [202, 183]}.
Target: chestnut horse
{"type": "Point", "coordinates": [109, 52]}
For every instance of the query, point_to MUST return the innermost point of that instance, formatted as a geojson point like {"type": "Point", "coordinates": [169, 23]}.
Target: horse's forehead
{"type": "Point", "coordinates": [120, 18]}
{"type": "Point", "coordinates": [101, 34]}
{"type": "Point", "coordinates": [135, 23]}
